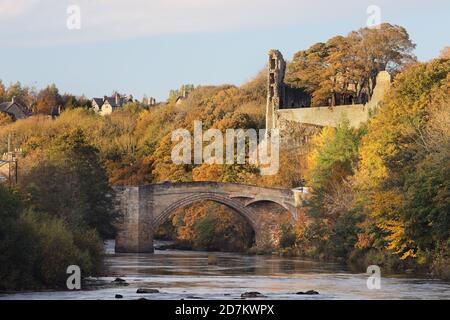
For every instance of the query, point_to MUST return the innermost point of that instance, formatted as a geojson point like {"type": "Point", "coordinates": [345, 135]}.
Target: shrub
{"type": "Point", "coordinates": [36, 249]}
{"type": "Point", "coordinates": [287, 238]}
{"type": "Point", "coordinates": [56, 247]}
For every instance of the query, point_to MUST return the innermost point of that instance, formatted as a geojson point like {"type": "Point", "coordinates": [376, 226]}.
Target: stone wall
{"type": "Point", "coordinates": [295, 135]}
{"type": "Point", "coordinates": [355, 114]}
{"type": "Point", "coordinates": [324, 116]}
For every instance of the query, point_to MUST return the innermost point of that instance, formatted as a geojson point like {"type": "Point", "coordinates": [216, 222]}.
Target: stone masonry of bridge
{"type": "Point", "coordinates": [146, 207]}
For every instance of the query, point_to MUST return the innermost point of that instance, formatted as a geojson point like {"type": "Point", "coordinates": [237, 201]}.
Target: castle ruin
{"type": "Point", "coordinates": [288, 108]}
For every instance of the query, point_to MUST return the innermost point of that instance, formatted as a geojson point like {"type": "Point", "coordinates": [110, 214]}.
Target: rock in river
{"type": "Point", "coordinates": [120, 282]}
{"type": "Point", "coordinates": [119, 296]}
{"type": "Point", "coordinates": [308, 292]}
{"type": "Point", "coordinates": [145, 290]}
{"type": "Point", "coordinates": [252, 294]}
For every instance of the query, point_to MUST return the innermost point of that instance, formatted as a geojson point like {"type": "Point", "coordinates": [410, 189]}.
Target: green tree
{"type": "Point", "coordinates": [72, 184]}
{"type": "Point", "coordinates": [22, 95]}
{"type": "Point", "coordinates": [331, 164]}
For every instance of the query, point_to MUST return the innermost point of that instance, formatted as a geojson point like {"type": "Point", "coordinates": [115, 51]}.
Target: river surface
{"type": "Point", "coordinates": [187, 275]}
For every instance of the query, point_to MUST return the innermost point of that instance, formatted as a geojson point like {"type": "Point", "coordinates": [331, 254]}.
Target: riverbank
{"type": "Point", "coordinates": [357, 263]}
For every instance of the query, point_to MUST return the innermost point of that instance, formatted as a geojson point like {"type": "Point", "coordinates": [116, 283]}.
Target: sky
{"type": "Point", "coordinates": [147, 47]}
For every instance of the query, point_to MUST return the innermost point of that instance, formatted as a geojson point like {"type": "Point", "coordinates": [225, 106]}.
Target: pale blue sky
{"type": "Point", "coordinates": [149, 47]}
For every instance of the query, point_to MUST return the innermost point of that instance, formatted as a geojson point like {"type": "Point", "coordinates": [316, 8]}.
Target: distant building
{"type": "Point", "coordinates": [106, 105]}
{"type": "Point", "coordinates": [55, 112]}
{"type": "Point", "coordinates": [15, 109]}
{"type": "Point", "coordinates": [149, 101]}
{"type": "Point", "coordinates": [181, 98]}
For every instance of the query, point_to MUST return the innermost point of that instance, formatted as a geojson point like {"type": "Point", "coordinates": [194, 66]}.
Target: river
{"type": "Point", "coordinates": [187, 275]}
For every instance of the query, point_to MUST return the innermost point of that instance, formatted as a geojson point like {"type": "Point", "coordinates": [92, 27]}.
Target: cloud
{"type": "Point", "coordinates": [43, 22]}
{"type": "Point", "coordinates": [14, 8]}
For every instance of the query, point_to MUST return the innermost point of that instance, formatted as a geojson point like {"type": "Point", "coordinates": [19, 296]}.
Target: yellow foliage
{"type": "Point", "coordinates": [384, 209]}
{"type": "Point", "coordinates": [318, 143]}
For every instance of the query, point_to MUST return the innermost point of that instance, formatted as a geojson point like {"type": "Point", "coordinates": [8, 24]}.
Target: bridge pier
{"type": "Point", "coordinates": [136, 228]}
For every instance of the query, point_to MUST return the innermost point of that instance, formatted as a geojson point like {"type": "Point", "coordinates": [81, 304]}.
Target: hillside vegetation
{"type": "Point", "coordinates": [380, 194]}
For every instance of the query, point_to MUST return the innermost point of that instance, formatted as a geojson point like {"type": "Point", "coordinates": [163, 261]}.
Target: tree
{"type": "Point", "coordinates": [22, 95]}
{"type": "Point", "coordinates": [331, 164]}
{"type": "Point", "coordinates": [36, 249]}
{"type": "Point", "coordinates": [445, 53]}
{"type": "Point", "coordinates": [345, 66]}
{"type": "Point", "coordinates": [72, 184]}
{"type": "Point", "coordinates": [183, 91]}
{"type": "Point", "coordinates": [402, 172]}
{"type": "Point", "coordinates": [69, 101]}
{"type": "Point", "coordinates": [48, 99]}
{"type": "Point", "coordinates": [2, 92]}
{"type": "Point", "coordinates": [5, 118]}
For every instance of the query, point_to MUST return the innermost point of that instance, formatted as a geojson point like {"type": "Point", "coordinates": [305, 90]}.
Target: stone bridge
{"type": "Point", "coordinates": [146, 207]}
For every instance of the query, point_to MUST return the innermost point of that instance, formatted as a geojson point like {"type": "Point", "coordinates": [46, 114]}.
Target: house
{"type": "Point", "coordinates": [97, 104]}
{"type": "Point", "coordinates": [15, 109]}
{"type": "Point", "coordinates": [55, 111]}
{"type": "Point", "coordinates": [181, 98]}
{"type": "Point", "coordinates": [149, 101]}
{"type": "Point", "coordinates": [106, 105]}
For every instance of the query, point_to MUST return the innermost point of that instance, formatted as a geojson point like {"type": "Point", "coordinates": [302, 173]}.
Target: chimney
{"type": "Point", "coordinates": [13, 98]}
{"type": "Point", "coordinates": [104, 98]}
{"type": "Point", "coordinates": [117, 96]}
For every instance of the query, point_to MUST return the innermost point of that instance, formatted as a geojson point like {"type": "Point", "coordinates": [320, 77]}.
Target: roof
{"type": "Point", "coordinates": [15, 109]}
{"type": "Point", "coordinates": [4, 106]}
{"type": "Point", "coordinates": [98, 101]}
{"type": "Point", "coordinates": [112, 101]}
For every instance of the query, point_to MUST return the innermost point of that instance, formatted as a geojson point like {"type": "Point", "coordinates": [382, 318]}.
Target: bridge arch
{"type": "Point", "coordinates": [146, 207]}
{"type": "Point", "coordinates": [231, 203]}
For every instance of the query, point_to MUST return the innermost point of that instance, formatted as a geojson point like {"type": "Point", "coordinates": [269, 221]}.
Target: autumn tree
{"type": "Point", "coordinates": [70, 101]}
{"type": "Point", "coordinates": [401, 176]}
{"type": "Point", "coordinates": [211, 226]}
{"type": "Point", "coordinates": [48, 99]}
{"type": "Point", "coordinates": [331, 164]}
{"type": "Point", "coordinates": [20, 94]}
{"type": "Point", "coordinates": [445, 53]}
{"type": "Point", "coordinates": [2, 92]}
{"type": "Point", "coordinates": [5, 118]}
{"type": "Point", "coordinates": [345, 66]}
{"type": "Point", "coordinates": [183, 91]}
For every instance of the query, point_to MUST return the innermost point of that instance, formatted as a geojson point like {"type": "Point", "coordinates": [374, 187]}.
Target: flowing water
{"type": "Point", "coordinates": [187, 275]}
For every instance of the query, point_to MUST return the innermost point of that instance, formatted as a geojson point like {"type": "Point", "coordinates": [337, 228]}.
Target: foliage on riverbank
{"type": "Point", "coordinates": [55, 217]}
{"type": "Point", "coordinates": [208, 226]}
{"type": "Point", "coordinates": [381, 194]}
{"type": "Point", "coordinates": [37, 248]}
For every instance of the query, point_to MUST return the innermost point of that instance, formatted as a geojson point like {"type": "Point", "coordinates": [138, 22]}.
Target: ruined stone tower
{"type": "Point", "coordinates": [277, 67]}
